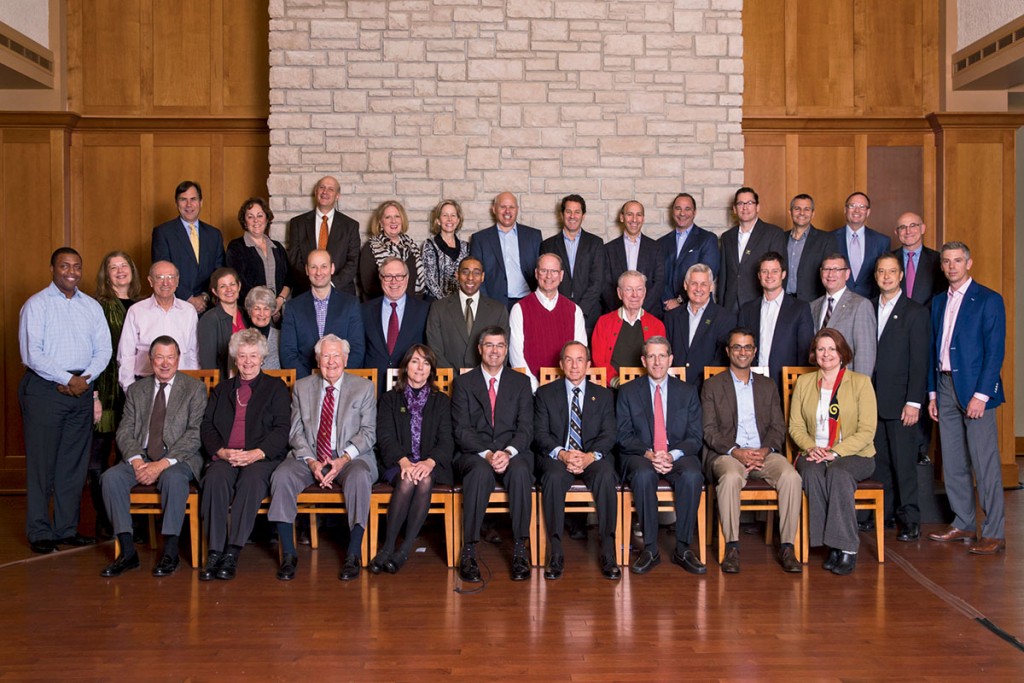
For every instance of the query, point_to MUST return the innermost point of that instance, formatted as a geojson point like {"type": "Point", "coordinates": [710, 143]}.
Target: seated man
{"type": "Point", "coordinates": [334, 428]}
{"type": "Point", "coordinates": [159, 437]}
{"type": "Point", "coordinates": [620, 335]}
{"type": "Point", "coordinates": [574, 429]}
{"type": "Point", "coordinates": [744, 434]}
{"type": "Point", "coordinates": [659, 435]}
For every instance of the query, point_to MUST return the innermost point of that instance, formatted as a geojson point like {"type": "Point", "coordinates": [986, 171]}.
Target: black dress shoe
{"type": "Point", "coordinates": [909, 533]}
{"type": "Point", "coordinates": [377, 564]}
{"type": "Point", "coordinates": [691, 563]}
{"type": "Point", "coordinates": [890, 524]}
{"type": "Point", "coordinates": [395, 562]}
{"type": "Point", "coordinates": [553, 571]}
{"type": "Point", "coordinates": [286, 572]}
{"type": "Point", "coordinates": [209, 572]}
{"type": "Point", "coordinates": [228, 567]}
{"type": "Point", "coordinates": [42, 546]}
{"type": "Point", "coordinates": [731, 561]}
{"type": "Point", "coordinates": [610, 569]}
{"type": "Point", "coordinates": [76, 541]}
{"type": "Point", "coordinates": [468, 569]}
{"type": "Point", "coordinates": [645, 562]}
{"type": "Point", "coordinates": [787, 558]}
{"type": "Point", "coordinates": [520, 565]}
{"type": "Point", "coordinates": [166, 566]}
{"type": "Point", "coordinates": [847, 563]}
{"type": "Point", "coordinates": [833, 558]}
{"type": "Point", "coordinates": [350, 568]}
{"type": "Point", "coordinates": [120, 565]}
{"type": "Point", "coordinates": [866, 526]}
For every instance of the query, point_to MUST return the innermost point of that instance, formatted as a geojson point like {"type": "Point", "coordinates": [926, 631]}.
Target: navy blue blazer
{"type": "Point", "coordinates": [299, 332]}
{"type": "Point", "coordinates": [171, 243]}
{"type": "Point", "coordinates": [411, 331]}
{"type": "Point", "coordinates": [583, 283]}
{"type": "Point", "coordinates": [875, 244]}
{"type": "Point", "coordinates": [635, 414]}
{"type": "Point", "coordinates": [701, 246]}
{"type": "Point", "coordinates": [794, 330]}
{"type": "Point", "coordinates": [551, 419]}
{"type": "Point", "coordinates": [649, 261]}
{"type": "Point", "coordinates": [901, 370]}
{"type": "Point", "coordinates": [929, 279]}
{"type": "Point", "coordinates": [486, 247]}
{"type": "Point", "coordinates": [708, 347]}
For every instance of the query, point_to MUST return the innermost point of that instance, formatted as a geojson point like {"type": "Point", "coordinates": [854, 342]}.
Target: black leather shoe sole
{"type": "Point", "coordinates": [42, 547]}
{"type": "Point", "coordinates": [645, 562]}
{"type": "Point", "coordinates": [120, 566]}
{"type": "Point", "coordinates": [689, 562]}
{"type": "Point", "coordinates": [166, 566]}
{"type": "Point", "coordinates": [76, 541]}
{"type": "Point", "coordinates": [286, 572]}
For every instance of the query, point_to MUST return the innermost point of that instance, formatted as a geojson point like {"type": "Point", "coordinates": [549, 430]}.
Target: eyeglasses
{"type": "Point", "coordinates": [164, 278]}
{"type": "Point", "coordinates": [394, 278]}
{"type": "Point", "coordinates": [834, 269]}
{"type": "Point", "coordinates": [748, 202]}
{"type": "Point", "coordinates": [746, 348]}
{"type": "Point", "coordinates": [910, 226]}
{"type": "Point", "coordinates": [548, 271]}
{"type": "Point", "coordinates": [492, 346]}
{"type": "Point", "coordinates": [859, 207]}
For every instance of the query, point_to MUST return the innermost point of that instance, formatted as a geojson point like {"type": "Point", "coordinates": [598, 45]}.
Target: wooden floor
{"type": "Point", "coordinates": [915, 618]}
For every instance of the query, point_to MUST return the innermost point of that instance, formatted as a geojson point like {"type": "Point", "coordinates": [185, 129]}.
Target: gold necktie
{"type": "Point", "coordinates": [322, 240]}
{"type": "Point", "coordinates": [193, 237]}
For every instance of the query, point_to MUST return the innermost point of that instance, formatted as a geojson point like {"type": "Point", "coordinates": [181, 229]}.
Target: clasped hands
{"type": "Point", "coordinates": [499, 460]}
{"type": "Point", "coordinates": [662, 461]}
{"type": "Point", "coordinates": [146, 473]}
{"type": "Point", "coordinates": [415, 472]}
{"type": "Point", "coordinates": [326, 473]}
{"type": "Point", "coordinates": [576, 461]}
{"type": "Point", "coordinates": [238, 457]}
{"type": "Point", "coordinates": [752, 458]}
{"type": "Point", "coordinates": [78, 385]}
{"type": "Point", "coordinates": [819, 454]}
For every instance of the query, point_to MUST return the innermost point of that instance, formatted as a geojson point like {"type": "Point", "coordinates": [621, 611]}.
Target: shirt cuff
{"type": "Point", "coordinates": [351, 451]}
{"type": "Point", "coordinates": [554, 453]}
{"type": "Point", "coordinates": [512, 451]}
{"type": "Point", "coordinates": [981, 397]}
{"type": "Point", "coordinates": [676, 454]}
{"type": "Point", "coordinates": [914, 404]}
{"type": "Point", "coordinates": [137, 456]}
{"type": "Point", "coordinates": [172, 462]}
{"type": "Point", "coordinates": [483, 454]}
{"type": "Point", "coordinates": [598, 455]}
{"type": "Point", "coordinates": [932, 395]}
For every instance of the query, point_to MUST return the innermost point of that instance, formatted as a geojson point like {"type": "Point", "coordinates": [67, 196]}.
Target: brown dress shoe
{"type": "Point", "coordinates": [731, 561]}
{"type": "Point", "coordinates": [952, 534]}
{"type": "Point", "coordinates": [987, 546]}
{"type": "Point", "coordinates": [787, 558]}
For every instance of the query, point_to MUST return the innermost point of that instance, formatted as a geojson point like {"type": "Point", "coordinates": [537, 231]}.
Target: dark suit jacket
{"type": "Point", "coordinates": [299, 332]}
{"type": "Point", "coordinates": [635, 414]}
{"type": "Point", "coordinates": [739, 283]}
{"type": "Point", "coordinates": [701, 246]}
{"type": "Point", "coordinates": [875, 244]}
{"type": "Point", "coordinates": [171, 243]}
{"type": "Point", "coordinates": [394, 433]}
{"type": "Point", "coordinates": [551, 419]}
{"type": "Point", "coordinates": [649, 261]}
{"type": "Point", "coordinates": [513, 415]}
{"type": "Point", "coordinates": [446, 329]}
{"type": "Point", "coordinates": [267, 417]}
{"type": "Point", "coordinates": [342, 243]}
{"type": "Point", "coordinates": [486, 246]}
{"type": "Point", "coordinates": [410, 331]}
{"type": "Point", "coordinates": [928, 277]}
{"type": "Point", "coordinates": [718, 402]}
{"type": "Point", "coordinates": [901, 368]}
{"type": "Point", "coordinates": [583, 283]}
{"type": "Point", "coordinates": [708, 347]}
{"type": "Point", "coordinates": [794, 330]}
{"type": "Point", "coordinates": [249, 264]}
{"type": "Point", "coordinates": [808, 276]}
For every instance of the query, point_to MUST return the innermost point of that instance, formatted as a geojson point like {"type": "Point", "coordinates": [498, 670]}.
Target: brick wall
{"type": "Point", "coordinates": [427, 99]}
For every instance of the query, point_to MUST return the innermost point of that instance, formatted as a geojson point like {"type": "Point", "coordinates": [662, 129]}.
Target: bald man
{"type": "Point", "coordinates": [324, 228]}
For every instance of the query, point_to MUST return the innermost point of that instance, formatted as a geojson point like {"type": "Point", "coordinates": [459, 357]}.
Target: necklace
{"type": "Point", "coordinates": [239, 400]}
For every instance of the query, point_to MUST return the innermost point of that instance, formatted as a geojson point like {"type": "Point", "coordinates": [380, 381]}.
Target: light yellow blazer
{"type": "Point", "coordinates": [858, 414]}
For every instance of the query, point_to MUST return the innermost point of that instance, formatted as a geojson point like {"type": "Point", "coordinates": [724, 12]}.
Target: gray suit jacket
{"type": "Point", "coordinates": [356, 421]}
{"type": "Point", "coordinates": [446, 329]}
{"type": "Point", "coordinates": [854, 317]}
{"type": "Point", "coordinates": [186, 404]}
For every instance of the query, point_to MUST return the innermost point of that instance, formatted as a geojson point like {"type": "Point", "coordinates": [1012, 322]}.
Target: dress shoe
{"type": "Point", "coordinates": [468, 569]}
{"type": "Point", "coordinates": [120, 565]}
{"type": "Point", "coordinates": [166, 566]}
{"type": "Point", "coordinates": [731, 561]}
{"type": "Point", "coordinates": [76, 541]}
{"type": "Point", "coordinates": [228, 567]}
{"type": "Point", "coordinates": [289, 563]}
{"type": "Point", "coordinates": [910, 532]}
{"type": "Point", "coordinates": [350, 568]}
{"type": "Point", "coordinates": [846, 563]}
{"type": "Point", "coordinates": [610, 569]}
{"type": "Point", "coordinates": [890, 524]}
{"type": "Point", "coordinates": [869, 525]}
{"type": "Point", "coordinates": [42, 546]}
{"type": "Point", "coordinates": [987, 546]}
{"type": "Point", "coordinates": [832, 560]}
{"type": "Point", "coordinates": [555, 567]}
{"type": "Point", "coordinates": [577, 532]}
{"type": "Point", "coordinates": [376, 565]}
{"type": "Point", "coordinates": [209, 572]}
{"type": "Point", "coordinates": [520, 565]}
{"type": "Point", "coordinates": [490, 534]}
{"type": "Point", "coordinates": [787, 558]}
{"type": "Point", "coordinates": [923, 459]}
{"type": "Point", "coordinates": [953, 534]}
{"type": "Point", "coordinates": [645, 562]}
{"type": "Point", "coordinates": [689, 561]}
{"type": "Point", "coordinates": [395, 562]}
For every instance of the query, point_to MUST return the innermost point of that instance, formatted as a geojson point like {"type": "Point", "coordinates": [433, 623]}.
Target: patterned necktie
{"type": "Point", "coordinates": [193, 237]}
{"type": "Point", "coordinates": [155, 445]}
{"type": "Point", "coordinates": [575, 422]}
{"type": "Point", "coordinates": [321, 242]}
{"type": "Point", "coordinates": [856, 254]}
{"type": "Point", "coordinates": [493, 395]}
{"type": "Point", "coordinates": [393, 328]}
{"type": "Point", "coordinates": [469, 316]}
{"type": "Point", "coordinates": [323, 434]}
{"type": "Point", "coordinates": [828, 312]}
{"type": "Point", "coordinates": [660, 434]}
{"type": "Point", "coordinates": [911, 273]}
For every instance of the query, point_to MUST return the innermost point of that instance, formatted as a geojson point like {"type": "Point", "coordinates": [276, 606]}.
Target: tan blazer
{"type": "Point", "coordinates": [858, 414]}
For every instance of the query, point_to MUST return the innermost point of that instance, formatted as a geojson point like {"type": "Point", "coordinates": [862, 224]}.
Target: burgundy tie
{"type": "Point", "coordinates": [393, 328]}
{"type": "Point", "coordinates": [323, 435]}
{"type": "Point", "coordinates": [493, 395]}
{"type": "Point", "coordinates": [660, 435]}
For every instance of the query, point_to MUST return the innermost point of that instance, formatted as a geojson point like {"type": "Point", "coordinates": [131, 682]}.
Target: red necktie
{"type": "Point", "coordinates": [323, 435]}
{"type": "Point", "coordinates": [493, 395]}
{"type": "Point", "coordinates": [321, 242]}
{"type": "Point", "coordinates": [660, 435]}
{"type": "Point", "coordinates": [393, 328]}
{"type": "Point", "coordinates": [911, 274]}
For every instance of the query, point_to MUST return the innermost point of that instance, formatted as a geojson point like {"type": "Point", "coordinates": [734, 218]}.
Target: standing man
{"type": "Point", "coordinates": [861, 246]}
{"type": "Point", "coordinates": [742, 245]}
{"type": "Point", "coordinates": [850, 313]}
{"type": "Point", "coordinates": [327, 229]}
{"type": "Point", "coordinates": [508, 252]}
{"type": "Point", "coordinates": [65, 343]}
{"type": "Point", "coordinates": [620, 335]}
{"type": "Point", "coordinates": [455, 322]}
{"type": "Point", "coordinates": [699, 330]}
{"type": "Point", "coordinates": [583, 256]}
{"type": "Point", "coordinates": [901, 381]}
{"type": "Point", "coordinates": [806, 248]}
{"type": "Point", "coordinates": [574, 429]}
{"type": "Point", "coordinates": [633, 251]}
{"type": "Point", "coordinates": [923, 277]}
{"type": "Point", "coordinates": [492, 417]}
{"type": "Point", "coordinates": [744, 436]}
{"type": "Point", "coordinates": [687, 245]}
{"type": "Point", "coordinates": [964, 390]}
{"type": "Point", "coordinates": [659, 436]}
{"type": "Point", "coordinates": [392, 322]}
{"type": "Point", "coordinates": [194, 247]}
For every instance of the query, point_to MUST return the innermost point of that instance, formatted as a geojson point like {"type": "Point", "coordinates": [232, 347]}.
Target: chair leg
{"type": "Point", "coordinates": [880, 526]}
{"type": "Point", "coordinates": [626, 527]}
{"type": "Point", "coordinates": [542, 532]}
{"type": "Point", "coordinates": [457, 539]}
{"type": "Point", "coordinates": [314, 533]}
{"type": "Point", "coordinates": [769, 529]}
{"type": "Point", "coordinates": [193, 527]}
{"type": "Point", "coordinates": [374, 525]}
{"type": "Point", "coordinates": [449, 531]}
{"type": "Point", "coordinates": [805, 533]}
{"type": "Point", "coordinates": [702, 529]}
{"type": "Point", "coordinates": [618, 528]}
{"type": "Point", "coordinates": [152, 532]}
{"type": "Point", "coordinates": [533, 528]}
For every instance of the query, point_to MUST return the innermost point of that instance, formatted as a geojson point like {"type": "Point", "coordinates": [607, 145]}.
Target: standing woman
{"type": "Point", "coordinates": [256, 258]}
{"type": "Point", "coordinates": [443, 252]}
{"type": "Point", "coordinates": [220, 322]}
{"type": "Point", "coordinates": [414, 434]}
{"type": "Point", "coordinates": [117, 287]}
{"type": "Point", "coordinates": [388, 237]}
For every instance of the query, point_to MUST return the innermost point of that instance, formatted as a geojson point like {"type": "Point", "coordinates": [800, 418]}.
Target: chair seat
{"type": "Point", "coordinates": [382, 488]}
{"type": "Point", "coordinates": [756, 484]}
{"type": "Point", "coordinates": [870, 485]}
{"type": "Point", "coordinates": [145, 500]}
{"type": "Point", "coordinates": [151, 488]}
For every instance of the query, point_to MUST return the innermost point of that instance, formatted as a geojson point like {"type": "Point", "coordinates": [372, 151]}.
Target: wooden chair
{"type": "Point", "coordinates": [444, 379]}
{"type": "Point", "coordinates": [285, 375]}
{"type": "Point", "coordinates": [442, 502]}
{"type": "Point", "coordinates": [210, 378]}
{"type": "Point", "coordinates": [498, 503]}
{"type": "Point", "coordinates": [870, 494]}
{"type": "Point", "coordinates": [665, 496]}
{"type": "Point", "coordinates": [628, 374]}
{"type": "Point", "coordinates": [596, 375]}
{"type": "Point", "coordinates": [145, 500]}
{"type": "Point", "coordinates": [463, 371]}
{"type": "Point", "coordinates": [365, 373]}
{"type": "Point", "coordinates": [580, 499]}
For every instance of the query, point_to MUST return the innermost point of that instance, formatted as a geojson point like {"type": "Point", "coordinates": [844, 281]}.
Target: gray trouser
{"type": "Point", "coordinates": [173, 487]}
{"type": "Point", "coordinates": [292, 476]}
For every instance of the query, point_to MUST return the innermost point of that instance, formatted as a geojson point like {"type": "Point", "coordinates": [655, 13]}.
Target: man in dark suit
{"type": "Point", "coordinates": [782, 324]}
{"type": "Point", "coordinates": [744, 435]}
{"type": "Point", "coordinates": [583, 257]}
{"type": "Point", "coordinates": [633, 251]}
{"type": "Point", "coordinates": [574, 429]}
{"type": "Point", "coordinates": [806, 248]}
{"type": "Point", "coordinates": [699, 330]}
{"type": "Point", "coordinates": [964, 390]}
{"type": "Point", "coordinates": [659, 436]}
{"type": "Point", "coordinates": [922, 272]}
{"type": "Point", "coordinates": [492, 417]}
{"type": "Point", "coordinates": [687, 245]}
{"type": "Point", "coordinates": [901, 382]}
{"type": "Point", "coordinates": [159, 440]}
{"type": "Point", "coordinates": [861, 246]}
{"type": "Point", "coordinates": [392, 322]}
{"type": "Point", "coordinates": [301, 326]}
{"type": "Point", "coordinates": [742, 245]}
{"type": "Point", "coordinates": [194, 247]}
{"type": "Point", "coordinates": [455, 322]}
{"type": "Point", "coordinates": [324, 228]}
{"type": "Point", "coordinates": [508, 252]}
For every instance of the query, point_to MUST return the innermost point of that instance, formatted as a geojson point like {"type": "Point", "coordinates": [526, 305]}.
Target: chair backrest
{"type": "Point", "coordinates": [285, 375]}
{"type": "Point", "coordinates": [443, 381]}
{"type": "Point", "coordinates": [463, 371]}
{"type": "Point", "coordinates": [790, 374]}
{"type": "Point", "coordinates": [365, 373]}
{"type": "Point", "coordinates": [712, 370]}
{"type": "Point", "coordinates": [629, 374]}
{"type": "Point", "coordinates": [596, 375]}
{"type": "Point", "coordinates": [210, 378]}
